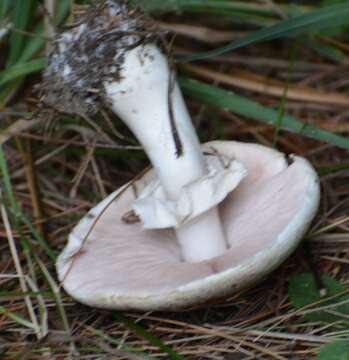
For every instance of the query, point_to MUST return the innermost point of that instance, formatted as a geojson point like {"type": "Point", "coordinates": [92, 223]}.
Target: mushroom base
{"type": "Point", "coordinates": [119, 265]}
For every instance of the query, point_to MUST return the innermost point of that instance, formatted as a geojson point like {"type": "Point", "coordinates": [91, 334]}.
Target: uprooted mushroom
{"type": "Point", "coordinates": [212, 219]}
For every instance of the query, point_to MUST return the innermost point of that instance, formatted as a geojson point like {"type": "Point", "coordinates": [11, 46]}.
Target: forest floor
{"type": "Point", "coordinates": [55, 167]}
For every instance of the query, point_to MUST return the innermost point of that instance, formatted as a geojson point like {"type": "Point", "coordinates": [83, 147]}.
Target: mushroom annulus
{"type": "Point", "coordinates": [208, 219]}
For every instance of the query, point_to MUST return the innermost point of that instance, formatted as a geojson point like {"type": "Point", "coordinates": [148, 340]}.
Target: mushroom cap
{"type": "Point", "coordinates": [120, 265]}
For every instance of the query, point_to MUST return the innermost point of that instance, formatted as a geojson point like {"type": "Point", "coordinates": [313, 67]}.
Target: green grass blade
{"type": "Point", "coordinates": [17, 318]}
{"type": "Point", "coordinates": [332, 169]}
{"type": "Point", "coordinates": [34, 44]}
{"type": "Point", "coordinates": [119, 343]}
{"type": "Point", "coordinates": [338, 350]}
{"type": "Point", "coordinates": [20, 294]}
{"type": "Point", "coordinates": [152, 339]}
{"type": "Point", "coordinates": [16, 211]}
{"type": "Point", "coordinates": [329, 51]}
{"type": "Point", "coordinates": [41, 241]}
{"type": "Point", "coordinates": [21, 17]}
{"type": "Point", "coordinates": [222, 7]}
{"type": "Point", "coordinates": [317, 19]}
{"type": "Point", "coordinates": [7, 90]}
{"type": "Point", "coordinates": [4, 8]}
{"type": "Point", "coordinates": [20, 70]}
{"type": "Point", "coordinates": [221, 98]}
{"type": "Point", "coordinates": [5, 177]}
{"type": "Point", "coordinates": [213, 6]}
{"type": "Point", "coordinates": [56, 294]}
{"type": "Point", "coordinates": [282, 108]}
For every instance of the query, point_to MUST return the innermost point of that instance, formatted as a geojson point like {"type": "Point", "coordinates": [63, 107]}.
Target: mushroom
{"type": "Point", "coordinates": [206, 220]}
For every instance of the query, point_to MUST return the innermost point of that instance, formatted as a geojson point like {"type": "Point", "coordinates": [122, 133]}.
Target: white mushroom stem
{"type": "Point", "coordinates": [140, 99]}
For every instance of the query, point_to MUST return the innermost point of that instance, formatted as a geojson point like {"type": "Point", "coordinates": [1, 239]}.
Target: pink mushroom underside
{"type": "Point", "coordinates": [124, 259]}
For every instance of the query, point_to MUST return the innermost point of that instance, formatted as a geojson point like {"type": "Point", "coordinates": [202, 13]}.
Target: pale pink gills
{"type": "Point", "coordinates": [206, 221]}
{"type": "Point", "coordinates": [123, 266]}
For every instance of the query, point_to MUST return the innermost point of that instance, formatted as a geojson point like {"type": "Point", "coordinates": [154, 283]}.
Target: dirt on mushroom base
{"type": "Point", "coordinates": [92, 52]}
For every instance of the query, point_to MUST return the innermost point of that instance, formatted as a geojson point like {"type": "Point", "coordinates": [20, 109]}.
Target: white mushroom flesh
{"type": "Point", "coordinates": [140, 99]}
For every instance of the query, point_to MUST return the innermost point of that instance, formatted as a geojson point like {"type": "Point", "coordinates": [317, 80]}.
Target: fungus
{"type": "Point", "coordinates": [206, 220]}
